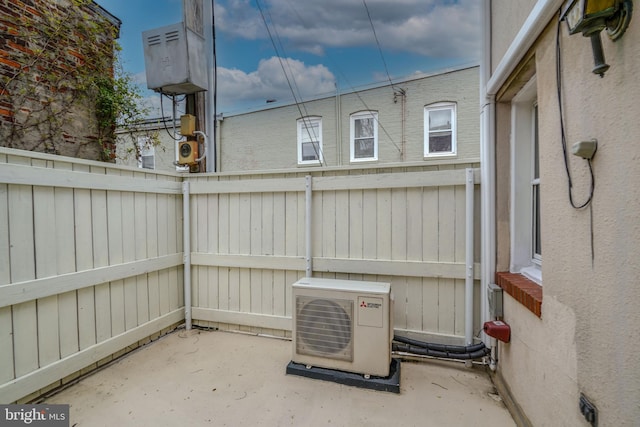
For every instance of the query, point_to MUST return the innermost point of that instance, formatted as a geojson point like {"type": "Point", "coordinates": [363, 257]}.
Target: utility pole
{"type": "Point", "coordinates": [198, 16]}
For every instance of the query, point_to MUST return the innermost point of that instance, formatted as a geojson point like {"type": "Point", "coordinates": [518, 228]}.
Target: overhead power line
{"type": "Point", "coordinates": [378, 44]}
{"type": "Point", "coordinates": [286, 76]}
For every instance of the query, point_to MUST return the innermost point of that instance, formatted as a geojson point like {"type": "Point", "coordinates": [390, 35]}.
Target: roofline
{"type": "Point", "coordinates": [352, 90]}
{"type": "Point", "coordinates": [151, 123]}
{"type": "Point", "coordinates": [94, 6]}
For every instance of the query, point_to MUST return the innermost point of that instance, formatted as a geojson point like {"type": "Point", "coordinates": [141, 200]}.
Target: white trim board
{"type": "Point", "coordinates": [16, 293]}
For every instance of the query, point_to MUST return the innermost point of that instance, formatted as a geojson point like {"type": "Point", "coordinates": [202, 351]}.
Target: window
{"type": "Point", "coordinates": [310, 140]}
{"type": "Point", "coordinates": [440, 129]}
{"type": "Point", "coordinates": [526, 244]}
{"type": "Point", "coordinates": [364, 136]}
{"type": "Point", "coordinates": [146, 153]}
{"type": "Point", "coordinates": [536, 238]}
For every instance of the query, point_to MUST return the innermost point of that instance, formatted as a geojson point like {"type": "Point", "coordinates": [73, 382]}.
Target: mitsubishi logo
{"type": "Point", "coordinates": [363, 304]}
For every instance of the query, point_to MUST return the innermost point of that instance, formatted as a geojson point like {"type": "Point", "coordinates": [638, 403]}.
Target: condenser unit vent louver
{"type": "Point", "coordinates": [325, 327]}
{"type": "Point", "coordinates": [343, 325]}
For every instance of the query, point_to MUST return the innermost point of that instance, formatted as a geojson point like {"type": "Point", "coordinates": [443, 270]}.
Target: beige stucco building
{"type": "Point", "coordinates": [423, 120]}
{"type": "Point", "coordinates": [569, 273]}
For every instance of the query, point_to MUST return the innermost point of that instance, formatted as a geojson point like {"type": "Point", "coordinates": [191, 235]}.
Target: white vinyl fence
{"type": "Point", "coordinates": [90, 264]}
{"type": "Point", "coordinates": [248, 244]}
{"type": "Point", "coordinates": [91, 254]}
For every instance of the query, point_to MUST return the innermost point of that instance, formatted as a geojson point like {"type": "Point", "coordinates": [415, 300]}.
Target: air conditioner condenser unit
{"type": "Point", "coordinates": [343, 325]}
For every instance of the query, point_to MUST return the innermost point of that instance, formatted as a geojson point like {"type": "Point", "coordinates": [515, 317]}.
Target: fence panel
{"type": "Point", "coordinates": [407, 228]}
{"type": "Point", "coordinates": [90, 263]}
{"type": "Point", "coordinates": [91, 254]}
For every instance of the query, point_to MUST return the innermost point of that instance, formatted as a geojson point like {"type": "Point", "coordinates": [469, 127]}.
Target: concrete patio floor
{"type": "Point", "coordinates": [198, 377]}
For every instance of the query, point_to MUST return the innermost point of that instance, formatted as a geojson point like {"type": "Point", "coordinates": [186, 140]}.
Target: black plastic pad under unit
{"type": "Point", "coordinates": [390, 383]}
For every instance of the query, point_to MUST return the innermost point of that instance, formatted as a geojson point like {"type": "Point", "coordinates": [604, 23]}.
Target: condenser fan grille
{"type": "Point", "coordinates": [324, 327]}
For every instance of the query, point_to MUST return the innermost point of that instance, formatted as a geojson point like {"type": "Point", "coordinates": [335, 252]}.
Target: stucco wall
{"type": "Point", "coordinates": [587, 340]}
{"type": "Point", "coordinates": [267, 139]}
{"type": "Point", "coordinates": [507, 17]}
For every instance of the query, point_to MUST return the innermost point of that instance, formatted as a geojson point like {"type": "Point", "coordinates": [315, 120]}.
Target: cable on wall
{"type": "Point", "coordinates": [174, 103]}
{"type": "Point", "coordinates": [563, 138]}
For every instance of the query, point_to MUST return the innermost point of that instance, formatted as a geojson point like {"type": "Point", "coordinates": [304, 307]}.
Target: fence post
{"type": "Point", "coordinates": [308, 226]}
{"type": "Point", "coordinates": [186, 221]}
{"type": "Point", "coordinates": [468, 301]}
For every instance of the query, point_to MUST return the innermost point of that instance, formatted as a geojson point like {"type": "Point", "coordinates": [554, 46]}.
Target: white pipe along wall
{"type": "Point", "coordinates": [543, 11]}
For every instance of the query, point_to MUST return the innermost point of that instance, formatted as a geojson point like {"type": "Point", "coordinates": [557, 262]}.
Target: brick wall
{"type": "Point", "coordinates": [51, 51]}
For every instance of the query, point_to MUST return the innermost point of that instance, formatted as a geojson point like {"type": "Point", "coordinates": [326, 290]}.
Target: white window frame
{"type": "Point", "coordinates": [362, 115]}
{"type": "Point", "coordinates": [524, 183]}
{"type": "Point", "coordinates": [440, 106]}
{"type": "Point", "coordinates": [303, 133]}
{"type": "Point", "coordinates": [146, 149]}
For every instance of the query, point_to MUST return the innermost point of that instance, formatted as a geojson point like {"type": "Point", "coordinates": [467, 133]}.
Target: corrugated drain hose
{"type": "Point", "coordinates": [408, 345]}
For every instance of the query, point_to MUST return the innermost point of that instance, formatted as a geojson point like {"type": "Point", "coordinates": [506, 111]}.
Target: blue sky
{"type": "Point", "coordinates": [327, 43]}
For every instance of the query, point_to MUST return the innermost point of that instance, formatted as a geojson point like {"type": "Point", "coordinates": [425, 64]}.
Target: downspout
{"type": "Point", "coordinates": [490, 82]}
{"type": "Point", "coordinates": [487, 175]}
{"type": "Point", "coordinates": [403, 143]}
{"type": "Point", "coordinates": [217, 137]}
{"type": "Point", "coordinates": [338, 126]}
{"type": "Point", "coordinates": [186, 236]}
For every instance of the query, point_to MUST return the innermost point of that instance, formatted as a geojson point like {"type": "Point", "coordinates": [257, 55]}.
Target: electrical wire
{"type": "Point", "coordinates": [378, 44]}
{"type": "Point", "coordinates": [564, 149]}
{"type": "Point", "coordinates": [284, 54]}
{"type": "Point", "coordinates": [351, 87]}
{"type": "Point", "coordinates": [215, 84]}
{"type": "Point", "coordinates": [563, 134]}
{"type": "Point", "coordinates": [317, 149]}
{"type": "Point", "coordinates": [171, 135]}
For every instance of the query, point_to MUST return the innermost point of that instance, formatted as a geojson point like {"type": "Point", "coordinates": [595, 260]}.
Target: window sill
{"type": "Point", "coordinates": [525, 291]}
{"type": "Point", "coordinates": [440, 156]}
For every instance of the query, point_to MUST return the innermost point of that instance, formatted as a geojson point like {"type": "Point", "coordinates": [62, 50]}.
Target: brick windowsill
{"type": "Point", "coordinates": [525, 291]}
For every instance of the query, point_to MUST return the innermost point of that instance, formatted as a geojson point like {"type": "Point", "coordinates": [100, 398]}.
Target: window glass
{"type": "Point", "coordinates": [364, 136]}
{"type": "Point", "coordinates": [310, 140]}
{"type": "Point", "coordinates": [440, 138]}
{"type": "Point", "coordinates": [535, 184]}
{"type": "Point", "coordinates": [525, 230]}
{"type": "Point", "coordinates": [147, 153]}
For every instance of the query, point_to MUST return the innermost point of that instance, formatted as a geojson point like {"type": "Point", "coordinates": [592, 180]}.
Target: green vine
{"type": "Point", "coordinates": [62, 89]}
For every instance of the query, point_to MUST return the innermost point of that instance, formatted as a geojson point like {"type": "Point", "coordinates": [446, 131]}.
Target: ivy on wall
{"type": "Point", "coordinates": [62, 89]}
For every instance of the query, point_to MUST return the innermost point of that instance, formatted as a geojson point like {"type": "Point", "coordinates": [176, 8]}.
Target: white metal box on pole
{"type": "Point", "coordinates": [175, 60]}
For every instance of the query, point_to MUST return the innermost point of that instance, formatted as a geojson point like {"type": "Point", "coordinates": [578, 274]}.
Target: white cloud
{"type": "Point", "coordinates": [435, 28]}
{"type": "Point", "coordinates": [269, 82]}
{"type": "Point", "coordinates": [429, 28]}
